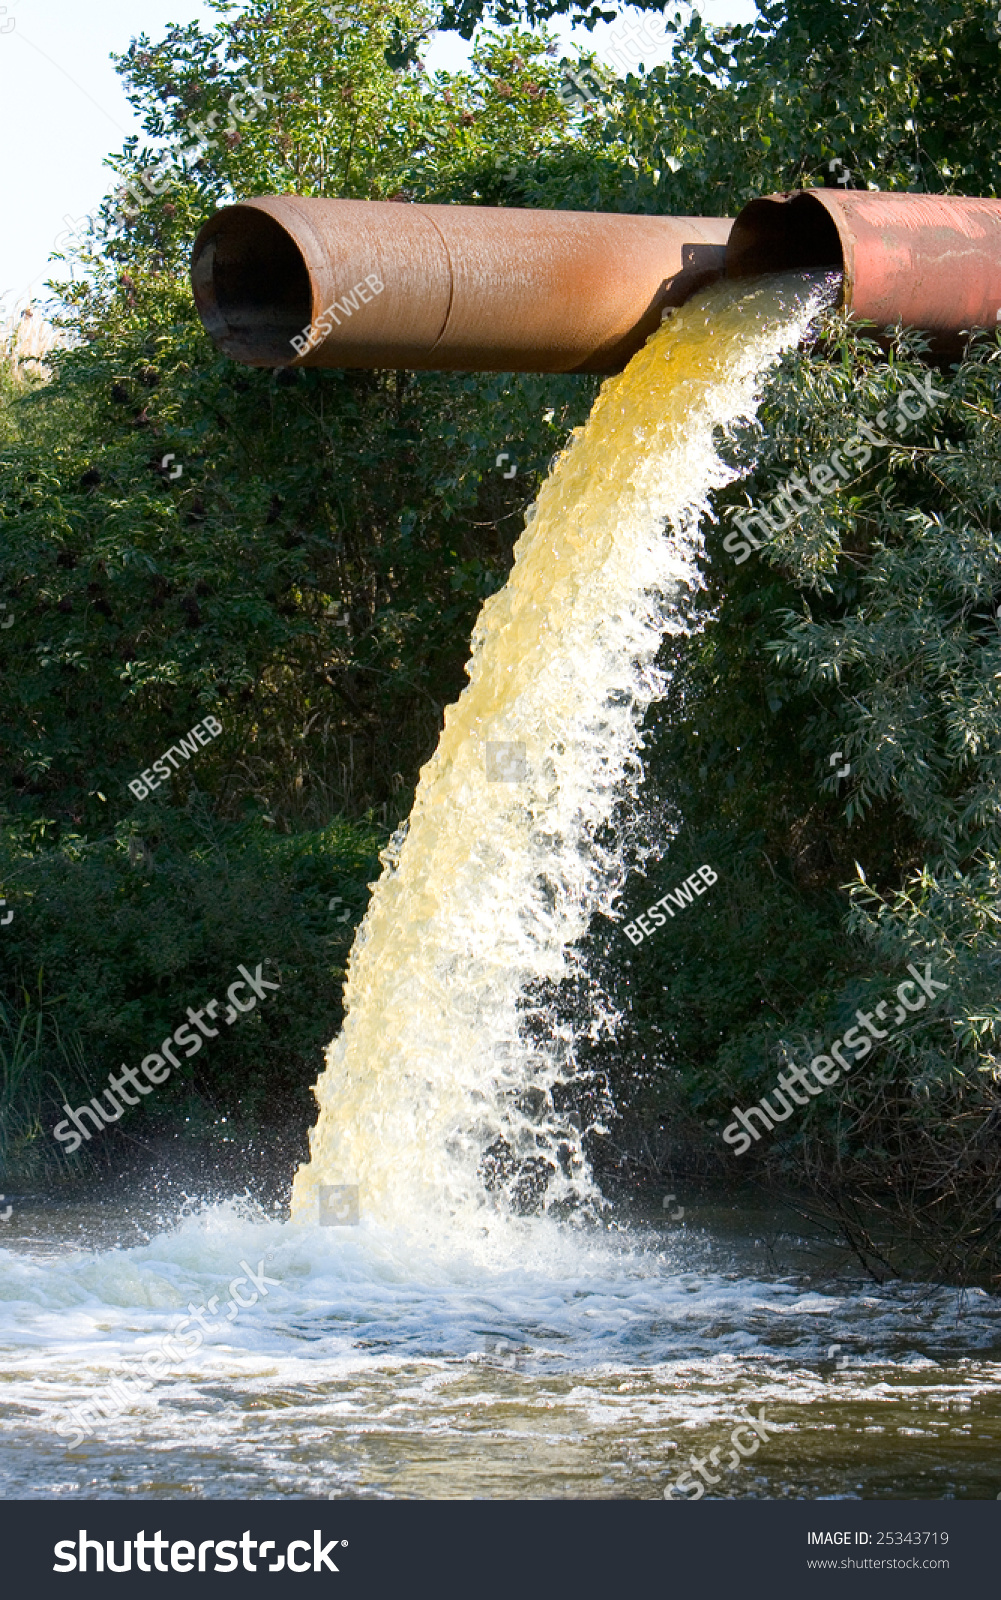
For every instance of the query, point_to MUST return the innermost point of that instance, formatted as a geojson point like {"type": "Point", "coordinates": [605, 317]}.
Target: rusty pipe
{"type": "Point", "coordinates": [446, 288]}
{"type": "Point", "coordinates": [927, 261]}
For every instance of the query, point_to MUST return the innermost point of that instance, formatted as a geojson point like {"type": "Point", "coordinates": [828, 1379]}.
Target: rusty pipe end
{"type": "Point", "coordinates": [925, 261]}
{"type": "Point", "coordinates": [784, 233]}
{"type": "Point", "coordinates": [287, 280]}
{"type": "Point", "coordinates": [251, 285]}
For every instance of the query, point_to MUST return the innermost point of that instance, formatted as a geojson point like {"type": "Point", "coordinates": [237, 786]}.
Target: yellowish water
{"type": "Point", "coordinates": [443, 1094]}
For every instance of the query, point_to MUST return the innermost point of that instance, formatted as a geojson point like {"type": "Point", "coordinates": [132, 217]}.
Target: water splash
{"type": "Point", "coordinates": [439, 1099]}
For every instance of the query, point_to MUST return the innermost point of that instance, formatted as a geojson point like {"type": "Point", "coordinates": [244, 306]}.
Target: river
{"type": "Point", "coordinates": [534, 1360]}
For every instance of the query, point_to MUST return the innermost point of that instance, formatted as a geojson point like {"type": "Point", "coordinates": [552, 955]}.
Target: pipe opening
{"type": "Point", "coordinates": [783, 235]}
{"type": "Point", "coordinates": [251, 286]}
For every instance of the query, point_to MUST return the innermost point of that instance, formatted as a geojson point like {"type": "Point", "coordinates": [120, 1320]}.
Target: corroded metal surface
{"type": "Point", "coordinates": [444, 287]}
{"type": "Point", "coordinates": [928, 261]}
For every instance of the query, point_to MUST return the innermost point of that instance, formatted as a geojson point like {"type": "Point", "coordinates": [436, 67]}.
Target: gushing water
{"type": "Point", "coordinates": [441, 1096]}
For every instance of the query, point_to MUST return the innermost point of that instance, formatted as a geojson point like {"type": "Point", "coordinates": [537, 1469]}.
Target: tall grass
{"type": "Point", "coordinates": [25, 341]}
{"type": "Point", "coordinates": [35, 1063]}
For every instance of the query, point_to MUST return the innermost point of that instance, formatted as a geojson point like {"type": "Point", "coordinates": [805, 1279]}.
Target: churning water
{"type": "Point", "coordinates": [490, 1327]}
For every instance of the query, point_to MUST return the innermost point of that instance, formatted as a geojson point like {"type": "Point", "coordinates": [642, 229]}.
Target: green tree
{"type": "Point", "coordinates": [898, 94]}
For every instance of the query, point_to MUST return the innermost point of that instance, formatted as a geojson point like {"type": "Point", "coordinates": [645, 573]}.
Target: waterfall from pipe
{"type": "Point", "coordinates": [443, 1097]}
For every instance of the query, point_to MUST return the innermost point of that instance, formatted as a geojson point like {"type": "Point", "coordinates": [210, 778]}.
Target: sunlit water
{"type": "Point", "coordinates": [449, 1345]}
{"type": "Point", "coordinates": [535, 1361]}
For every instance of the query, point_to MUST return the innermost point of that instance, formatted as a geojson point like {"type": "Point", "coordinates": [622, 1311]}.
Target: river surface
{"type": "Point", "coordinates": [535, 1360]}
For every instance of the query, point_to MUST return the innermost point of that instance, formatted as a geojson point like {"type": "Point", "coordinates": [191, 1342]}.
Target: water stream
{"type": "Point", "coordinates": [491, 1325]}
{"type": "Point", "coordinates": [438, 1094]}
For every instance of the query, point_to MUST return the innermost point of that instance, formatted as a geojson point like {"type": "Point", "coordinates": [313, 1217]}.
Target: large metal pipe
{"type": "Point", "coordinates": [283, 281]}
{"type": "Point", "coordinates": [446, 288]}
{"type": "Point", "coordinates": [929, 261]}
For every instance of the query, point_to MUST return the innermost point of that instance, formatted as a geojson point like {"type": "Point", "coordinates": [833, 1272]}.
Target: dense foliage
{"type": "Point", "coordinates": [864, 637]}
{"type": "Point", "coordinates": [311, 578]}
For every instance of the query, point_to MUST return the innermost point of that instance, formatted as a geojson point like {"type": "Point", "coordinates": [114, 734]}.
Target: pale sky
{"type": "Point", "coordinates": [62, 109]}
